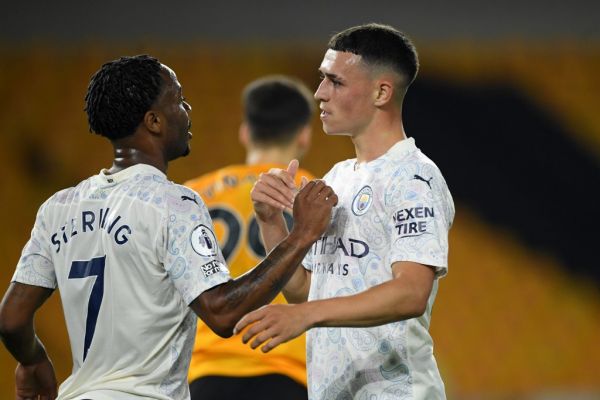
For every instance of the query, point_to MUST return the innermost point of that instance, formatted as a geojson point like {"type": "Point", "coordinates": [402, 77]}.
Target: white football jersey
{"type": "Point", "coordinates": [394, 208]}
{"type": "Point", "coordinates": [128, 253]}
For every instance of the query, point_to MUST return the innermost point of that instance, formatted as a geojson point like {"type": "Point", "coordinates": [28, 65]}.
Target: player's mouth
{"type": "Point", "coordinates": [324, 114]}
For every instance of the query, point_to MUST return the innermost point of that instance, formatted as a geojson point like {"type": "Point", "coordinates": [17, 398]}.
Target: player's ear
{"type": "Point", "coordinates": [153, 121]}
{"type": "Point", "coordinates": [385, 92]}
{"type": "Point", "coordinates": [244, 134]}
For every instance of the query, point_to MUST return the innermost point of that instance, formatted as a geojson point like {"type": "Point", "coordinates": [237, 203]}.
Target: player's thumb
{"type": "Point", "coordinates": [293, 168]}
{"type": "Point", "coordinates": [303, 182]}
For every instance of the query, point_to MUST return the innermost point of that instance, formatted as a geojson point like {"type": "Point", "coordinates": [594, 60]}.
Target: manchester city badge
{"type": "Point", "coordinates": [362, 201]}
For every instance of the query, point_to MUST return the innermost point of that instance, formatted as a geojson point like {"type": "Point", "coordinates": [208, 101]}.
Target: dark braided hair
{"type": "Point", "coordinates": [380, 45]}
{"type": "Point", "coordinates": [120, 93]}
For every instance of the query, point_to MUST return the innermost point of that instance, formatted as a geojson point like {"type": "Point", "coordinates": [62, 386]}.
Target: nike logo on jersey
{"type": "Point", "coordinates": [420, 178]}
{"type": "Point", "coordinates": [184, 198]}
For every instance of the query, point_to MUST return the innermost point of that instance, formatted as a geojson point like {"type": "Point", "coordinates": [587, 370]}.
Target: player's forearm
{"type": "Point", "coordinates": [227, 303]}
{"type": "Point", "coordinates": [17, 311]}
{"type": "Point", "coordinates": [272, 232]}
{"type": "Point", "coordinates": [297, 288]}
{"type": "Point", "coordinates": [22, 343]}
{"type": "Point", "coordinates": [388, 302]}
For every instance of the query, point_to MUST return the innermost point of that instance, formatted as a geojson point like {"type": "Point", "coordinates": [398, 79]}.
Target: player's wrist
{"type": "Point", "coordinates": [36, 356]}
{"type": "Point", "coordinates": [312, 314]}
{"type": "Point", "coordinates": [300, 237]}
{"type": "Point", "coordinates": [270, 218]}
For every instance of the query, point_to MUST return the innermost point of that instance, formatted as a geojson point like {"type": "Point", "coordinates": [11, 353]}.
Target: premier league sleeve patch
{"type": "Point", "coordinates": [204, 241]}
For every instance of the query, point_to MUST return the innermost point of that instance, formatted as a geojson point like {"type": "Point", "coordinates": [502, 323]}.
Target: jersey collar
{"type": "Point", "coordinates": [104, 178]}
{"type": "Point", "coordinates": [399, 150]}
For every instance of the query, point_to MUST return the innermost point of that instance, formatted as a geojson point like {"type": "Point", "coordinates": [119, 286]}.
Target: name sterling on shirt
{"type": "Point", "coordinates": [89, 221]}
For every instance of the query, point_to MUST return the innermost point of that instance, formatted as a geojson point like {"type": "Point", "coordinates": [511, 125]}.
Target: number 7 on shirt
{"type": "Point", "coordinates": [84, 269]}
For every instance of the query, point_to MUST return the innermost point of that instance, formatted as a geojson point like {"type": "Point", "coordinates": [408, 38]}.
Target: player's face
{"type": "Point", "coordinates": [174, 109]}
{"type": "Point", "coordinates": [345, 94]}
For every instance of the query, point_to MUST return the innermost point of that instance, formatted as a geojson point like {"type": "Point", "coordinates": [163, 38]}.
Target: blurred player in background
{"type": "Point", "coordinates": [371, 280]}
{"type": "Point", "coordinates": [276, 129]}
{"type": "Point", "coordinates": [134, 255]}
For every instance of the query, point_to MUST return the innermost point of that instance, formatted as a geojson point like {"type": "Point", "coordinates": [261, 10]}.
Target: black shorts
{"type": "Point", "coordinates": [262, 387]}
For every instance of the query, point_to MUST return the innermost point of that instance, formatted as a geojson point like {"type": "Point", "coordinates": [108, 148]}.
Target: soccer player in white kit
{"type": "Point", "coordinates": [134, 255]}
{"type": "Point", "coordinates": [372, 278]}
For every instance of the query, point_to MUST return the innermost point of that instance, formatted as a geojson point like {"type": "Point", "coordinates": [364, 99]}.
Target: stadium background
{"type": "Point", "coordinates": [506, 103]}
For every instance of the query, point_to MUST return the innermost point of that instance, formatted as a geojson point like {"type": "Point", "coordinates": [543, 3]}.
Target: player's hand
{"type": "Point", "coordinates": [274, 191]}
{"type": "Point", "coordinates": [273, 324]}
{"type": "Point", "coordinates": [36, 380]}
{"type": "Point", "coordinates": [312, 210]}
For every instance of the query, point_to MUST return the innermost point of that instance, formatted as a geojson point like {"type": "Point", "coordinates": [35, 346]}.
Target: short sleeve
{"type": "Point", "coordinates": [192, 257]}
{"type": "Point", "coordinates": [35, 267]}
{"type": "Point", "coordinates": [419, 217]}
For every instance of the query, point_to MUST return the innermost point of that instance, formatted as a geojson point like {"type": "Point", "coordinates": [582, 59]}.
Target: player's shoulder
{"type": "Point", "coordinates": [181, 193]}
{"type": "Point", "coordinates": [405, 161]}
{"type": "Point", "coordinates": [68, 195]}
{"type": "Point", "coordinates": [418, 161]}
{"type": "Point", "coordinates": [413, 174]}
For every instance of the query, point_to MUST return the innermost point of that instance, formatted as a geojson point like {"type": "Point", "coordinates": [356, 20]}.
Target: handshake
{"type": "Point", "coordinates": [311, 205]}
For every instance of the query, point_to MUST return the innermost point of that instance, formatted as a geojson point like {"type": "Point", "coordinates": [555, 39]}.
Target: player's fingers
{"type": "Point", "coordinates": [333, 199]}
{"type": "Point", "coordinates": [284, 176]}
{"type": "Point", "coordinates": [246, 320]}
{"type": "Point", "coordinates": [326, 192]}
{"type": "Point", "coordinates": [261, 198]}
{"type": "Point", "coordinates": [315, 190]}
{"type": "Point", "coordinates": [263, 193]}
{"type": "Point", "coordinates": [274, 184]}
{"type": "Point", "coordinates": [261, 338]}
{"type": "Point", "coordinates": [254, 330]}
{"type": "Point", "coordinates": [271, 344]}
{"type": "Point", "coordinates": [307, 188]}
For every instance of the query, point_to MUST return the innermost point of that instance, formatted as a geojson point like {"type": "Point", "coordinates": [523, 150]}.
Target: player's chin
{"type": "Point", "coordinates": [330, 131]}
{"type": "Point", "coordinates": [182, 152]}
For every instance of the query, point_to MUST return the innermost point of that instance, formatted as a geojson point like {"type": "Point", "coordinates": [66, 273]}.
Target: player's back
{"type": "Point", "coordinates": [130, 329]}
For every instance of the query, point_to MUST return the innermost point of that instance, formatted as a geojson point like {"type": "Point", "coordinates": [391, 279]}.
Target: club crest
{"type": "Point", "coordinates": [362, 201]}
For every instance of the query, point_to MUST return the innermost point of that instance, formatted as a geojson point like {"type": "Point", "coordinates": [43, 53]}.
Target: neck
{"type": "Point", "coordinates": [377, 140]}
{"type": "Point", "coordinates": [271, 155]}
{"type": "Point", "coordinates": [130, 151]}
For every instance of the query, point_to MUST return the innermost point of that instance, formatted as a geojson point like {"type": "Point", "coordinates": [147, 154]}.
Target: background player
{"type": "Point", "coordinates": [130, 251]}
{"type": "Point", "coordinates": [276, 129]}
{"type": "Point", "coordinates": [374, 274]}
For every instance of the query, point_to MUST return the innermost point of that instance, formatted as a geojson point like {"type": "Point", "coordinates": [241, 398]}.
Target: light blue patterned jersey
{"type": "Point", "coordinates": [128, 253]}
{"type": "Point", "coordinates": [395, 208]}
